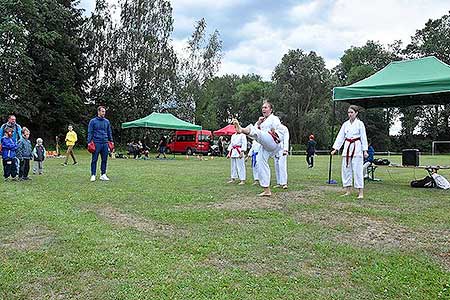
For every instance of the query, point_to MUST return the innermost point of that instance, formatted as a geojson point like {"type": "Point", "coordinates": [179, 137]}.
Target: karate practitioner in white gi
{"type": "Point", "coordinates": [265, 132]}
{"type": "Point", "coordinates": [280, 159]}
{"type": "Point", "coordinates": [236, 151]}
{"type": "Point", "coordinates": [253, 153]}
{"type": "Point", "coordinates": [353, 136]}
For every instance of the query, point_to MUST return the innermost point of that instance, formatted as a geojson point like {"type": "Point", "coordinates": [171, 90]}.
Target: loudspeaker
{"type": "Point", "coordinates": [410, 157]}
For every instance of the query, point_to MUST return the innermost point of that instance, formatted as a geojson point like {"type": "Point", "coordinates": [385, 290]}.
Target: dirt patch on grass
{"type": "Point", "coordinates": [247, 203]}
{"type": "Point", "coordinates": [33, 238]}
{"type": "Point", "coordinates": [277, 201]}
{"type": "Point", "coordinates": [365, 231]}
{"type": "Point", "coordinates": [120, 219]}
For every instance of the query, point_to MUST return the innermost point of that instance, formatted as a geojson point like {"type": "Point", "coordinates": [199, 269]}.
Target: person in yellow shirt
{"type": "Point", "coordinates": [71, 138]}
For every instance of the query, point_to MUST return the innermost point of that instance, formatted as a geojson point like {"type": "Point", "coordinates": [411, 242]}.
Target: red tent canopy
{"type": "Point", "coordinates": [227, 130]}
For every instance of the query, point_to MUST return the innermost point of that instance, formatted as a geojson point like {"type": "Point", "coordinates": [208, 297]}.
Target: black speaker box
{"type": "Point", "coordinates": [410, 157]}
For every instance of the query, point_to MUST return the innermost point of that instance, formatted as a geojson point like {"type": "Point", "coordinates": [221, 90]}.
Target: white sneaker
{"type": "Point", "coordinates": [104, 177]}
{"type": "Point", "coordinates": [92, 178]}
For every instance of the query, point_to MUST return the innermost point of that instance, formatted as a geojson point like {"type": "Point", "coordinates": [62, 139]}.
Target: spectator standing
{"type": "Point", "coordinates": [99, 132]}
{"type": "Point", "coordinates": [71, 139]}
{"type": "Point", "coordinates": [9, 147]}
{"type": "Point", "coordinates": [39, 155]}
{"type": "Point", "coordinates": [310, 151]}
{"type": "Point", "coordinates": [24, 154]}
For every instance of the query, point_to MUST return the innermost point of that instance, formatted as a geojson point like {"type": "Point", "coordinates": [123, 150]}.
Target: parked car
{"type": "Point", "coordinates": [190, 142]}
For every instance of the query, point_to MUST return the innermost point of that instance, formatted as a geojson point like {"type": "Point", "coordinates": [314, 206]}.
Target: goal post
{"type": "Point", "coordinates": [433, 145]}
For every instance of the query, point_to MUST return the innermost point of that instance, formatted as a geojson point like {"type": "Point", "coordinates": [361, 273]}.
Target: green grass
{"type": "Point", "coordinates": [172, 229]}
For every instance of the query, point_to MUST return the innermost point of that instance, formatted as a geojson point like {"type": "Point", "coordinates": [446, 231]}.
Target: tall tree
{"type": "Point", "coordinates": [303, 84]}
{"type": "Point", "coordinates": [356, 64]}
{"type": "Point", "coordinates": [194, 69]}
{"type": "Point", "coordinates": [433, 39]}
{"type": "Point", "coordinates": [133, 61]}
{"type": "Point", "coordinates": [222, 98]}
{"type": "Point", "coordinates": [42, 69]}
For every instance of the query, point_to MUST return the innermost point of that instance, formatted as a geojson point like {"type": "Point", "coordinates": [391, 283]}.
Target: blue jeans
{"type": "Point", "coordinates": [102, 149]}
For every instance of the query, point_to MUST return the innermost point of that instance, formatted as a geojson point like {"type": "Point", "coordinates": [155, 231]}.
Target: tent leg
{"type": "Point", "coordinates": [330, 181]}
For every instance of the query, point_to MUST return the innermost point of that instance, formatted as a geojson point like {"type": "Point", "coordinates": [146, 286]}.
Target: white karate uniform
{"type": "Point", "coordinates": [355, 165]}
{"type": "Point", "coordinates": [280, 158]}
{"type": "Point", "coordinates": [268, 146]}
{"type": "Point", "coordinates": [238, 145]}
{"type": "Point", "coordinates": [253, 154]}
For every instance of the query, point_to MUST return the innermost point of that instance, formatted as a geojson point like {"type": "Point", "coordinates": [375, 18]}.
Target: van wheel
{"type": "Point", "coordinates": [189, 151]}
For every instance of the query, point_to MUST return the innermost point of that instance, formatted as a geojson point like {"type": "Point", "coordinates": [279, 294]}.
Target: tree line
{"type": "Point", "coordinates": [57, 65]}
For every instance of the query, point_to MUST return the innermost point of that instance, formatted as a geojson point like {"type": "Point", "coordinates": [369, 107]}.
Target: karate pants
{"type": "Point", "coordinates": [268, 149]}
{"type": "Point", "coordinates": [237, 168]}
{"type": "Point", "coordinates": [281, 169]}
{"type": "Point", "coordinates": [354, 172]}
{"type": "Point", "coordinates": [255, 171]}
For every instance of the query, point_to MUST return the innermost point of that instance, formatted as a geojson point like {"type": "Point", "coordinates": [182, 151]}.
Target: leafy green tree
{"type": "Point", "coordinates": [42, 71]}
{"type": "Point", "coordinates": [193, 70]}
{"type": "Point", "coordinates": [356, 64]}
{"type": "Point", "coordinates": [433, 39]}
{"type": "Point", "coordinates": [133, 64]}
{"type": "Point", "coordinates": [302, 84]}
{"type": "Point", "coordinates": [223, 98]}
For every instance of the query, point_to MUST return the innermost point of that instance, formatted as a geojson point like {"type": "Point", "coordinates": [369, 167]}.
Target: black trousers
{"type": "Point", "coordinates": [24, 168]}
{"type": "Point", "coordinates": [9, 167]}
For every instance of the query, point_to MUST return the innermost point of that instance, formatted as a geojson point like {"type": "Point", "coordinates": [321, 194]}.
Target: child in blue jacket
{"type": "Point", "coordinates": [9, 148]}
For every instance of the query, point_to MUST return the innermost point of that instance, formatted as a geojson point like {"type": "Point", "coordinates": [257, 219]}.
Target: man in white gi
{"type": "Point", "coordinates": [236, 151]}
{"type": "Point", "coordinates": [253, 153]}
{"type": "Point", "coordinates": [353, 136]}
{"type": "Point", "coordinates": [265, 132]}
{"type": "Point", "coordinates": [280, 159]}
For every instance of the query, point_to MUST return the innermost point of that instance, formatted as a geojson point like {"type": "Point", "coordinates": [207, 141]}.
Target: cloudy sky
{"type": "Point", "coordinates": [257, 33]}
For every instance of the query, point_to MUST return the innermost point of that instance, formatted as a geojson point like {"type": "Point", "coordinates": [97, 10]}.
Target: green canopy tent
{"type": "Point", "coordinates": [422, 81]}
{"type": "Point", "coordinates": [161, 121]}
{"type": "Point", "coordinates": [401, 83]}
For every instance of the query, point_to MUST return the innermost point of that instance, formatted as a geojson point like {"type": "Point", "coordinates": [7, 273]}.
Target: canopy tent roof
{"type": "Point", "coordinates": [161, 121]}
{"type": "Point", "coordinates": [402, 83]}
{"type": "Point", "coordinates": [227, 130]}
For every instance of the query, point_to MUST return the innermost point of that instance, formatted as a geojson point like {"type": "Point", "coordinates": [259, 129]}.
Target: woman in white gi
{"type": "Point", "coordinates": [253, 153]}
{"type": "Point", "coordinates": [280, 159]}
{"type": "Point", "coordinates": [353, 136]}
{"type": "Point", "coordinates": [236, 151]}
{"type": "Point", "coordinates": [265, 132]}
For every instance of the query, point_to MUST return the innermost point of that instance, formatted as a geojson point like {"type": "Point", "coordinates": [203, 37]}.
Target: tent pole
{"type": "Point", "coordinates": [331, 139]}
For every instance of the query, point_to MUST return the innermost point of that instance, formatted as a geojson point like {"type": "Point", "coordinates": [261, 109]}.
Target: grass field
{"type": "Point", "coordinates": [172, 229]}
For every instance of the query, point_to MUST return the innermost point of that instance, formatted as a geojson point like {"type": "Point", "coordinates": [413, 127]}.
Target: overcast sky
{"type": "Point", "coordinates": [257, 33]}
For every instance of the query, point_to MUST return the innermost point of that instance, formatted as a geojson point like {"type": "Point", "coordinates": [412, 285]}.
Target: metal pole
{"type": "Point", "coordinates": [331, 139]}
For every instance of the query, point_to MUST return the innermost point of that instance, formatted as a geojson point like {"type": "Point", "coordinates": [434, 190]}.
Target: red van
{"type": "Point", "coordinates": [190, 141]}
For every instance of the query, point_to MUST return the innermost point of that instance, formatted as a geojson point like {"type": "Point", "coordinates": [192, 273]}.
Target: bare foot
{"type": "Point", "coordinates": [255, 183]}
{"type": "Point", "coordinates": [237, 126]}
{"type": "Point", "coordinates": [360, 196]}
{"type": "Point", "coordinates": [285, 186]}
{"type": "Point", "coordinates": [241, 183]}
{"type": "Point", "coordinates": [346, 194]}
{"type": "Point", "coordinates": [230, 181]}
{"type": "Point", "coordinates": [265, 194]}
{"type": "Point", "coordinates": [276, 186]}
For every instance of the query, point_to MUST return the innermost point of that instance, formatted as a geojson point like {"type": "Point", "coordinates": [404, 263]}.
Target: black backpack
{"type": "Point", "coordinates": [427, 182]}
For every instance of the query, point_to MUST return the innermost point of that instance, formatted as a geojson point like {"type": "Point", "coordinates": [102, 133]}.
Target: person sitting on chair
{"type": "Point", "coordinates": [368, 160]}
